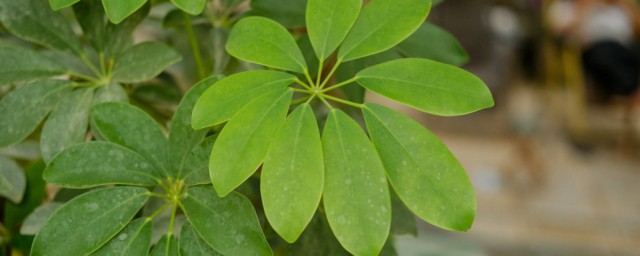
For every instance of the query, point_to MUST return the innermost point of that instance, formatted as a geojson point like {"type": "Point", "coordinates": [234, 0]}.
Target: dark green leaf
{"type": "Point", "coordinates": [403, 222]}
{"type": "Point", "coordinates": [20, 64]}
{"type": "Point", "coordinates": [88, 221]}
{"type": "Point", "coordinates": [243, 143]}
{"type": "Point", "coordinates": [33, 196]}
{"type": "Point", "coordinates": [12, 180]}
{"type": "Point", "coordinates": [218, 38]}
{"type": "Point", "coordinates": [428, 86]}
{"type": "Point", "coordinates": [167, 246]}
{"type": "Point", "coordinates": [193, 7]}
{"type": "Point", "coordinates": [426, 176]}
{"type": "Point", "coordinates": [435, 43]}
{"type": "Point", "coordinates": [120, 37]}
{"type": "Point", "coordinates": [265, 42]}
{"type": "Point", "coordinates": [23, 109]}
{"type": "Point", "coordinates": [196, 169]}
{"type": "Point", "coordinates": [34, 222]}
{"type": "Point", "coordinates": [229, 224]}
{"type": "Point", "coordinates": [143, 62]}
{"type": "Point", "coordinates": [59, 4]}
{"type": "Point", "coordinates": [118, 10]}
{"type": "Point", "coordinates": [110, 93]}
{"type": "Point", "coordinates": [328, 22]}
{"type": "Point", "coordinates": [191, 244]}
{"type": "Point", "coordinates": [133, 240]}
{"type": "Point", "coordinates": [90, 16]}
{"type": "Point", "coordinates": [317, 240]}
{"type": "Point", "coordinates": [99, 163]}
{"type": "Point", "coordinates": [356, 196]}
{"type": "Point", "coordinates": [289, 13]}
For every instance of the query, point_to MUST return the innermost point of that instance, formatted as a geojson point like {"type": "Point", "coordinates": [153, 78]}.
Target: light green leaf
{"type": "Point", "coordinates": [428, 86]}
{"type": "Point", "coordinates": [289, 13]}
{"type": "Point", "coordinates": [265, 42]}
{"type": "Point", "coordinates": [293, 174]}
{"type": "Point", "coordinates": [426, 176]}
{"type": "Point", "coordinates": [196, 169]}
{"type": "Point", "coordinates": [20, 64]}
{"type": "Point", "coordinates": [191, 244]}
{"type": "Point", "coordinates": [59, 4]}
{"type": "Point", "coordinates": [435, 43]}
{"type": "Point", "coordinates": [90, 16]}
{"type": "Point", "coordinates": [193, 7]}
{"type": "Point", "coordinates": [12, 180]}
{"type": "Point", "coordinates": [133, 240]}
{"type": "Point", "coordinates": [381, 25]}
{"type": "Point", "coordinates": [182, 138]}
{"type": "Point", "coordinates": [23, 109]}
{"type": "Point", "coordinates": [131, 127]}
{"type": "Point", "coordinates": [34, 222]}
{"type": "Point", "coordinates": [243, 143]}
{"type": "Point", "coordinates": [88, 221]}
{"type": "Point", "coordinates": [167, 246]}
{"type": "Point", "coordinates": [229, 225]}
{"type": "Point", "coordinates": [67, 124]}
{"type": "Point", "coordinates": [356, 194]}
{"type": "Point", "coordinates": [143, 62]}
{"type": "Point", "coordinates": [34, 21]}
{"type": "Point", "coordinates": [99, 163]}
{"type": "Point", "coordinates": [226, 97]}
{"type": "Point", "coordinates": [110, 93]}
{"type": "Point", "coordinates": [328, 22]}
{"type": "Point", "coordinates": [118, 10]}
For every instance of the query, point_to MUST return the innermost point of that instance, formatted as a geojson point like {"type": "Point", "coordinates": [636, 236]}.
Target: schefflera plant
{"type": "Point", "coordinates": [132, 163]}
{"type": "Point", "coordinates": [344, 168]}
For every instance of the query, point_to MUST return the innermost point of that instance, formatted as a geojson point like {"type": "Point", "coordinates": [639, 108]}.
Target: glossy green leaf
{"type": "Point", "coordinates": [243, 143]}
{"type": "Point", "coordinates": [12, 180]}
{"type": "Point", "coordinates": [356, 194]}
{"type": "Point", "coordinates": [229, 225]}
{"type": "Point", "coordinates": [119, 37]}
{"type": "Point", "coordinates": [91, 18]}
{"type": "Point", "coordinates": [118, 10]}
{"type": "Point", "coordinates": [133, 240]}
{"type": "Point", "coordinates": [20, 64]}
{"type": "Point", "coordinates": [88, 221]}
{"type": "Point", "coordinates": [182, 138]}
{"type": "Point", "coordinates": [293, 174]}
{"type": "Point", "coordinates": [34, 222]}
{"type": "Point", "coordinates": [328, 22]}
{"type": "Point", "coordinates": [193, 7]}
{"type": "Point", "coordinates": [143, 62]}
{"type": "Point", "coordinates": [23, 109]}
{"type": "Point", "coordinates": [34, 21]}
{"type": "Point", "coordinates": [226, 97]}
{"type": "Point", "coordinates": [110, 93]}
{"type": "Point", "coordinates": [265, 42]}
{"type": "Point", "coordinates": [34, 195]}
{"type": "Point", "coordinates": [67, 124]}
{"type": "Point", "coordinates": [381, 25]}
{"type": "Point", "coordinates": [428, 86]}
{"type": "Point", "coordinates": [99, 163]}
{"type": "Point", "coordinates": [167, 246]}
{"type": "Point", "coordinates": [289, 13]}
{"type": "Point", "coordinates": [191, 244]}
{"type": "Point", "coordinates": [59, 4]}
{"type": "Point", "coordinates": [435, 43]}
{"type": "Point", "coordinates": [196, 168]}
{"type": "Point", "coordinates": [133, 128]}
{"type": "Point", "coordinates": [426, 176]}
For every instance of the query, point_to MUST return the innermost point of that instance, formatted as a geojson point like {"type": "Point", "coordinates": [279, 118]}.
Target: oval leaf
{"type": "Point", "coordinates": [229, 225]}
{"type": "Point", "coordinates": [428, 86]}
{"type": "Point", "coordinates": [191, 244]}
{"type": "Point", "coordinates": [34, 222]}
{"type": "Point", "coordinates": [133, 240]}
{"type": "Point", "coordinates": [265, 42]}
{"type": "Point", "coordinates": [110, 93]}
{"type": "Point", "coordinates": [88, 221]}
{"type": "Point", "coordinates": [293, 174]}
{"type": "Point", "coordinates": [356, 196]}
{"type": "Point", "coordinates": [193, 7]}
{"type": "Point", "coordinates": [118, 10]}
{"type": "Point", "coordinates": [99, 163]}
{"type": "Point", "coordinates": [19, 64]}
{"type": "Point", "coordinates": [59, 4]}
{"type": "Point", "coordinates": [226, 97]}
{"type": "Point", "coordinates": [12, 180]}
{"type": "Point", "coordinates": [243, 143]}
{"type": "Point", "coordinates": [426, 176]}
{"type": "Point", "coordinates": [328, 22]}
{"type": "Point", "coordinates": [381, 25]}
{"type": "Point", "coordinates": [90, 16]}
{"type": "Point", "coordinates": [196, 168]}
{"type": "Point", "coordinates": [23, 109]}
{"type": "Point", "coordinates": [434, 43]}
{"type": "Point", "coordinates": [143, 62]}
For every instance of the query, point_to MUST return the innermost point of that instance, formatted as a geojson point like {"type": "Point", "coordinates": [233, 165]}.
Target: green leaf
{"type": "Point", "coordinates": [143, 62]}
{"type": "Point", "coordinates": [120, 37]}
{"type": "Point", "coordinates": [317, 240]}
{"type": "Point", "coordinates": [426, 176]}
{"type": "Point", "coordinates": [293, 174]}
{"type": "Point", "coordinates": [27, 150]}
{"type": "Point", "coordinates": [32, 198]}
{"type": "Point", "coordinates": [99, 163]}
{"type": "Point", "coordinates": [90, 16]}
{"type": "Point", "coordinates": [265, 42]}
{"type": "Point", "coordinates": [220, 57]}
{"type": "Point", "coordinates": [59, 4]}
{"type": "Point", "coordinates": [34, 222]}
{"type": "Point", "coordinates": [88, 221]}
{"type": "Point", "coordinates": [12, 180]}
{"type": "Point", "coordinates": [226, 97]}
{"type": "Point", "coordinates": [229, 225]}
{"type": "Point", "coordinates": [133, 240]}
{"type": "Point", "coordinates": [110, 93]}
{"type": "Point", "coordinates": [196, 169]}
{"type": "Point", "coordinates": [193, 7]}
{"type": "Point", "coordinates": [67, 124]}
{"type": "Point", "coordinates": [356, 195]}
{"type": "Point", "coordinates": [34, 21]}
{"type": "Point", "coordinates": [20, 64]}
{"type": "Point", "coordinates": [428, 86]}
{"type": "Point", "coordinates": [118, 10]}
{"type": "Point", "coordinates": [131, 127]}
{"type": "Point", "coordinates": [328, 22]}
{"type": "Point", "coordinates": [23, 109]}
{"type": "Point", "coordinates": [167, 246]}
{"type": "Point", "coordinates": [435, 43]}
{"type": "Point", "coordinates": [243, 143]}
{"type": "Point", "coordinates": [381, 25]}
{"type": "Point", "coordinates": [191, 244]}
{"type": "Point", "coordinates": [403, 222]}
{"type": "Point", "coordinates": [289, 13]}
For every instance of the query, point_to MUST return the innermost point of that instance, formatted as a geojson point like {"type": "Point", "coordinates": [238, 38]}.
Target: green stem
{"type": "Point", "coordinates": [333, 70]}
{"type": "Point", "coordinates": [194, 45]}
{"type": "Point", "coordinates": [353, 104]}
{"type": "Point", "coordinates": [81, 76]}
{"type": "Point", "coordinates": [302, 91]}
{"type": "Point", "coordinates": [159, 195]}
{"type": "Point", "coordinates": [102, 66]}
{"type": "Point", "coordinates": [90, 65]}
{"type": "Point", "coordinates": [173, 218]}
{"type": "Point", "coordinates": [319, 76]}
{"type": "Point", "coordinates": [311, 98]}
{"type": "Point", "coordinates": [325, 101]}
{"type": "Point", "coordinates": [300, 101]}
{"type": "Point", "coordinates": [306, 86]}
{"type": "Point", "coordinates": [160, 210]}
{"type": "Point", "coordinates": [306, 74]}
{"type": "Point", "coordinates": [339, 85]}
